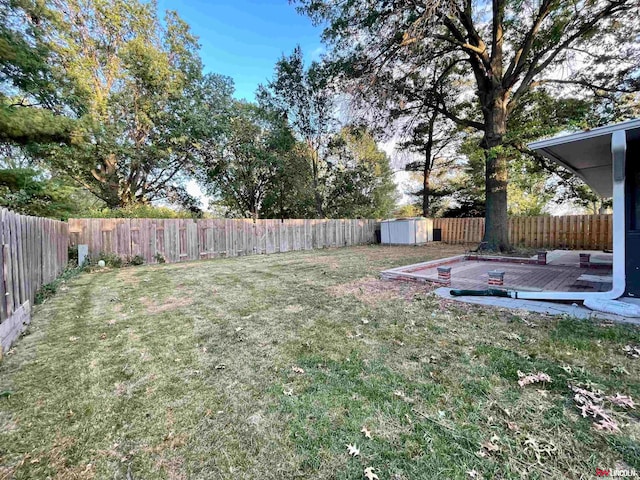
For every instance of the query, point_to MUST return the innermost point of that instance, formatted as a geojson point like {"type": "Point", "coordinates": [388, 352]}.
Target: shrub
{"type": "Point", "coordinates": [140, 211]}
{"type": "Point", "coordinates": [158, 257]}
{"type": "Point", "coordinates": [136, 260]}
{"type": "Point", "coordinates": [50, 289]}
{"type": "Point", "coordinates": [112, 260]}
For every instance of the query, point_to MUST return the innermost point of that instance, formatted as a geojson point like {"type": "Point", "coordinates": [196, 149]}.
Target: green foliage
{"type": "Point", "coordinates": [158, 257]}
{"type": "Point", "coordinates": [111, 260]}
{"type": "Point", "coordinates": [31, 192]}
{"type": "Point", "coordinates": [136, 260]}
{"type": "Point", "coordinates": [30, 104]}
{"type": "Point", "coordinates": [249, 159]}
{"type": "Point", "coordinates": [304, 97]}
{"type": "Point", "coordinates": [25, 125]}
{"type": "Point", "coordinates": [139, 210]}
{"type": "Point", "coordinates": [144, 106]}
{"type": "Point", "coordinates": [50, 289]}
{"type": "Point", "coordinates": [360, 180]}
{"type": "Point", "coordinates": [407, 211]}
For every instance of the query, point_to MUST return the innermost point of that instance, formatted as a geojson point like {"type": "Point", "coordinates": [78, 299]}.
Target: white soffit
{"type": "Point", "coordinates": [588, 153]}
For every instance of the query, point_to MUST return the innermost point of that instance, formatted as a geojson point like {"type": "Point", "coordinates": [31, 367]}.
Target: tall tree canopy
{"type": "Point", "coordinates": [30, 102]}
{"type": "Point", "coordinates": [489, 55]}
{"type": "Point", "coordinates": [138, 91]}
{"type": "Point", "coordinates": [246, 162]}
{"type": "Point", "coordinates": [360, 180]}
{"type": "Point", "coordinates": [305, 98]}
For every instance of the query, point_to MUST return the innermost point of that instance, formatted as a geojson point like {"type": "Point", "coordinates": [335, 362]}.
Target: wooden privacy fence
{"type": "Point", "coordinates": [34, 253]}
{"type": "Point", "coordinates": [578, 232]}
{"type": "Point", "coordinates": [186, 239]}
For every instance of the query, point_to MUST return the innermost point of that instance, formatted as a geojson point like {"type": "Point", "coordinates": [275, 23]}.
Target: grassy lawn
{"type": "Point", "coordinates": [268, 366]}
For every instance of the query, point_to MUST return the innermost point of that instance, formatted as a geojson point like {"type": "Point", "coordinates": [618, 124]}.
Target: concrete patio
{"type": "Point", "coordinates": [562, 272]}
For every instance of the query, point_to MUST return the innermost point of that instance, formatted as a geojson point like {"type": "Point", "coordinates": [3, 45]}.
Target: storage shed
{"type": "Point", "coordinates": [406, 231]}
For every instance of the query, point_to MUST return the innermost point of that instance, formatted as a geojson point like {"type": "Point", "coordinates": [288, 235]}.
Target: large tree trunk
{"type": "Point", "coordinates": [426, 189]}
{"type": "Point", "coordinates": [318, 199]}
{"type": "Point", "coordinates": [496, 231]}
{"type": "Point", "coordinates": [315, 170]}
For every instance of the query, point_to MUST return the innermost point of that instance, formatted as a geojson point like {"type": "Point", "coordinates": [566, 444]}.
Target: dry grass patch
{"type": "Point", "coordinates": [373, 290]}
{"type": "Point", "coordinates": [166, 304]}
{"type": "Point", "coordinates": [419, 252]}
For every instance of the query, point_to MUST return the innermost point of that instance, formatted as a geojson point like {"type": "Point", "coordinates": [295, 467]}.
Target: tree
{"type": "Point", "coordinates": [243, 166]}
{"type": "Point", "coordinates": [142, 103]}
{"type": "Point", "coordinates": [31, 109]}
{"type": "Point", "coordinates": [303, 95]}
{"type": "Point", "coordinates": [494, 54]}
{"type": "Point", "coordinates": [360, 180]}
{"type": "Point", "coordinates": [291, 194]}
{"type": "Point", "coordinates": [30, 192]}
{"type": "Point", "coordinates": [430, 139]}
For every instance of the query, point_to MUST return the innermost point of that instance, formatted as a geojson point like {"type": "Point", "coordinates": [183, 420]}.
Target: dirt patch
{"type": "Point", "coordinates": [172, 468]}
{"type": "Point", "coordinates": [129, 277]}
{"type": "Point", "coordinates": [373, 290]}
{"type": "Point", "coordinates": [424, 252]}
{"type": "Point", "coordinates": [167, 304]}
{"type": "Point", "coordinates": [324, 260]}
{"type": "Point", "coordinates": [293, 308]}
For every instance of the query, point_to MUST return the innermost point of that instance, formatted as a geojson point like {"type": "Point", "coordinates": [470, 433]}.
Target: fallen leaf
{"type": "Point", "coordinates": [608, 425]}
{"type": "Point", "coordinates": [472, 473]}
{"type": "Point", "coordinates": [365, 321]}
{"type": "Point", "coordinates": [632, 351]}
{"type": "Point", "coordinates": [369, 475]}
{"type": "Point", "coordinates": [623, 401]}
{"type": "Point", "coordinates": [221, 366]}
{"type": "Point", "coordinates": [288, 392]}
{"type": "Point", "coordinates": [73, 339]}
{"type": "Point", "coordinates": [490, 447]}
{"type": "Point", "coordinates": [353, 450]}
{"type": "Point", "coordinates": [529, 378]}
{"type": "Point", "coordinates": [297, 369]}
{"type": "Point", "coordinates": [366, 432]}
{"type": "Point", "coordinates": [513, 426]}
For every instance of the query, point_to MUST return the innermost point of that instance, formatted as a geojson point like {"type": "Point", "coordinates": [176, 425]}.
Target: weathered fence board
{"type": "Point", "coordinates": [578, 232]}
{"type": "Point", "coordinates": [34, 252]}
{"type": "Point", "coordinates": [184, 239]}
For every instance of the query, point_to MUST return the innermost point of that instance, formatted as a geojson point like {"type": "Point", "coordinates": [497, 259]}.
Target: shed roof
{"type": "Point", "coordinates": [588, 153]}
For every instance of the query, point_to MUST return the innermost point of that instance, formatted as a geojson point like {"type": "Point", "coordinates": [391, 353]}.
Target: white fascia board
{"type": "Point", "coordinates": [575, 137]}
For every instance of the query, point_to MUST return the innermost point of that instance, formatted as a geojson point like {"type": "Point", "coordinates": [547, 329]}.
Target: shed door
{"type": "Point", "coordinates": [633, 218]}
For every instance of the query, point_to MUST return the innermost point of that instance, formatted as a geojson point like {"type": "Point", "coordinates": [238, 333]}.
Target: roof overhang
{"type": "Point", "coordinates": [588, 153]}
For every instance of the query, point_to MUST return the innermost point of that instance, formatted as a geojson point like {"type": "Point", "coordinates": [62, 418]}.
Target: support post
{"type": "Point", "coordinates": [585, 260]}
{"type": "Point", "coordinates": [444, 276]}
{"type": "Point", "coordinates": [496, 278]}
{"type": "Point", "coordinates": [542, 257]}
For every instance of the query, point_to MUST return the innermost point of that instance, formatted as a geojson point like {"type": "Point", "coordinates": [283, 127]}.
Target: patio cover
{"type": "Point", "coordinates": [588, 153]}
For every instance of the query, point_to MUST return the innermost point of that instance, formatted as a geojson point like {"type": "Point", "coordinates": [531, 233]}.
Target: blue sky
{"type": "Point", "coordinates": [244, 38]}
